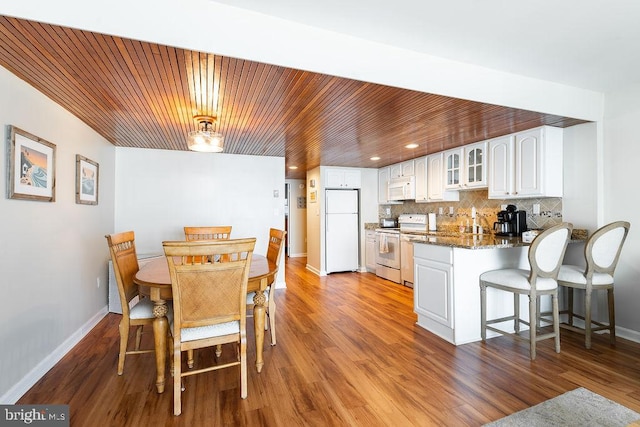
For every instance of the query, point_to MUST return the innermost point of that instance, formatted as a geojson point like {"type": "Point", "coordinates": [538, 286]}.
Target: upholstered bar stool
{"type": "Point", "coordinates": [545, 258]}
{"type": "Point", "coordinates": [601, 253]}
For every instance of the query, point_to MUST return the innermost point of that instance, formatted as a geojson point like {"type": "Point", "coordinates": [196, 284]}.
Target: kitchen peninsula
{"type": "Point", "coordinates": [446, 290]}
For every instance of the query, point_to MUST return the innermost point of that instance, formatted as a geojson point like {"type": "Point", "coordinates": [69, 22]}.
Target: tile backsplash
{"type": "Point", "coordinates": [486, 209]}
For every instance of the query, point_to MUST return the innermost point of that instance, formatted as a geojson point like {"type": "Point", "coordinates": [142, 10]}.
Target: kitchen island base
{"type": "Point", "coordinates": [447, 290]}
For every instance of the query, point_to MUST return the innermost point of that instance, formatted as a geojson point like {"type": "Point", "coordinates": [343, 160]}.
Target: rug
{"type": "Point", "coordinates": [579, 407]}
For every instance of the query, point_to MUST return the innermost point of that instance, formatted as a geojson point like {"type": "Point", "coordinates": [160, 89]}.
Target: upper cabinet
{"type": "Point", "coordinates": [526, 164]}
{"type": "Point", "coordinates": [435, 184]}
{"type": "Point", "coordinates": [384, 176]}
{"type": "Point", "coordinates": [343, 178]}
{"type": "Point", "coordinates": [421, 179]}
{"type": "Point", "coordinates": [404, 169]}
{"type": "Point", "coordinates": [465, 167]}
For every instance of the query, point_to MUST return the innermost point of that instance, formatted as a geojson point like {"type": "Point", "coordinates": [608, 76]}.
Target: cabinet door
{"type": "Point", "coordinates": [528, 163]}
{"type": "Point", "coordinates": [384, 175]}
{"type": "Point", "coordinates": [352, 179]}
{"type": "Point", "coordinates": [370, 250]}
{"type": "Point", "coordinates": [433, 291]}
{"type": "Point", "coordinates": [475, 165]}
{"type": "Point", "coordinates": [435, 186]}
{"type": "Point", "coordinates": [408, 168]}
{"type": "Point", "coordinates": [501, 167]}
{"type": "Point", "coordinates": [421, 179]}
{"type": "Point", "coordinates": [395, 171]}
{"type": "Point", "coordinates": [335, 178]}
{"type": "Point", "coordinates": [453, 169]}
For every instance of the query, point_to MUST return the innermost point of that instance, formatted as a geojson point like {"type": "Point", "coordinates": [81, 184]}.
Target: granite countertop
{"type": "Point", "coordinates": [473, 241]}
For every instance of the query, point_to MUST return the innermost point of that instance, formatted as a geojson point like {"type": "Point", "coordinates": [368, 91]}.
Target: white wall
{"type": "Point", "coordinates": [51, 254]}
{"type": "Point", "coordinates": [161, 191]}
{"type": "Point", "coordinates": [621, 201]}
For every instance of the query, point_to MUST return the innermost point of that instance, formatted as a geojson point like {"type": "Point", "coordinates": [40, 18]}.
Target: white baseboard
{"type": "Point", "coordinates": [298, 255]}
{"type": "Point", "coordinates": [628, 334]}
{"type": "Point", "coordinates": [22, 386]}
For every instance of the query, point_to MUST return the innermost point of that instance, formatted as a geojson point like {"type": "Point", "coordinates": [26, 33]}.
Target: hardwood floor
{"type": "Point", "coordinates": [348, 353]}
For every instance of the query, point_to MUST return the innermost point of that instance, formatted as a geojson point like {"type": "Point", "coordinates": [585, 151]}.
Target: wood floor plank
{"type": "Point", "coordinates": [349, 353]}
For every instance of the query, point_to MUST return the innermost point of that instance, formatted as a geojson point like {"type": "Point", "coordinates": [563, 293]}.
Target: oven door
{"type": "Point", "coordinates": [388, 249]}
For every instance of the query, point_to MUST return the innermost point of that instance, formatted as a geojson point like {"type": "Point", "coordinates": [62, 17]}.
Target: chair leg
{"type": "Point", "coordinates": [190, 359]}
{"type": "Point", "coordinates": [516, 313]}
{"type": "Point", "coordinates": [243, 369]}
{"type": "Point", "coordinates": [556, 319]}
{"type": "Point", "coordinates": [124, 339]}
{"type": "Point", "coordinates": [532, 325]}
{"type": "Point", "coordinates": [218, 350]}
{"type": "Point", "coordinates": [612, 316]}
{"type": "Point", "coordinates": [483, 311]}
{"type": "Point", "coordinates": [138, 336]}
{"type": "Point", "coordinates": [587, 319]}
{"type": "Point", "coordinates": [570, 306]}
{"type": "Point", "coordinates": [271, 312]}
{"type": "Point", "coordinates": [177, 381]}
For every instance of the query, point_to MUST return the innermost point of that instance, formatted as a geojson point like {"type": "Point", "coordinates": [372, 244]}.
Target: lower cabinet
{"type": "Point", "coordinates": [446, 290]}
{"type": "Point", "coordinates": [370, 250]}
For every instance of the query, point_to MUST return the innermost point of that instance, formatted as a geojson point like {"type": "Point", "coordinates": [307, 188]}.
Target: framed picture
{"type": "Point", "coordinates": [86, 181]}
{"type": "Point", "coordinates": [313, 196]}
{"type": "Point", "coordinates": [31, 166]}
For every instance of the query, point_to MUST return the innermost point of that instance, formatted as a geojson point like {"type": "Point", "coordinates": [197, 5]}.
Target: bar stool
{"type": "Point", "coordinates": [545, 258]}
{"type": "Point", "coordinates": [601, 253]}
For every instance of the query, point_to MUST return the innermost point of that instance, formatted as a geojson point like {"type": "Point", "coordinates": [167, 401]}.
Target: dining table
{"type": "Point", "coordinates": [154, 281]}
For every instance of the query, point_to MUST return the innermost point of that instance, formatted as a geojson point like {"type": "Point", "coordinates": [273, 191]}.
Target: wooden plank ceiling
{"type": "Point", "coordinates": [138, 94]}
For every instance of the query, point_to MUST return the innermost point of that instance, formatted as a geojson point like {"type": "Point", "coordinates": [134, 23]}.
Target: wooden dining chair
{"type": "Point", "coordinates": [601, 253]}
{"type": "Point", "coordinates": [122, 248]}
{"type": "Point", "coordinates": [274, 253]}
{"type": "Point", "coordinates": [545, 258]}
{"type": "Point", "coordinates": [209, 297]}
{"type": "Point", "coordinates": [216, 232]}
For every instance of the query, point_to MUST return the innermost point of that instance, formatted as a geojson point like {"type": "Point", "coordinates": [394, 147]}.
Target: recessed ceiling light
{"type": "Point", "coordinates": [374, 158]}
{"type": "Point", "coordinates": [411, 146]}
{"type": "Point", "coordinates": [293, 167]}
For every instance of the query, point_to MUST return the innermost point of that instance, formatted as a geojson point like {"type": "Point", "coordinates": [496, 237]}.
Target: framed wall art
{"type": "Point", "coordinates": [31, 166]}
{"type": "Point", "coordinates": [86, 181]}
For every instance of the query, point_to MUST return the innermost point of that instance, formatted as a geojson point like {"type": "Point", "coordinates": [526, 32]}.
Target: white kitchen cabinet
{"type": "Point", "coordinates": [403, 169]}
{"type": "Point", "coordinates": [453, 166]}
{"type": "Point", "coordinates": [435, 180]}
{"type": "Point", "coordinates": [370, 250]}
{"type": "Point", "coordinates": [384, 175]}
{"type": "Point", "coordinates": [465, 167]}
{"type": "Point", "coordinates": [343, 178]}
{"type": "Point", "coordinates": [421, 179]}
{"type": "Point", "coordinates": [526, 164]}
{"type": "Point", "coordinates": [446, 289]}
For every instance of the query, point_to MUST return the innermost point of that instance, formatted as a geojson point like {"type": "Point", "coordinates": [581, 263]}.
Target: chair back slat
{"type": "Point", "coordinates": [222, 232]}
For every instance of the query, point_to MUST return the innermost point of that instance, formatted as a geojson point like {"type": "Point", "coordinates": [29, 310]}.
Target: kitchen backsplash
{"type": "Point", "coordinates": [486, 210]}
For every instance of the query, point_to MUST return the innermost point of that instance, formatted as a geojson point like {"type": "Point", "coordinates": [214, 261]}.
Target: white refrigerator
{"type": "Point", "coordinates": [341, 230]}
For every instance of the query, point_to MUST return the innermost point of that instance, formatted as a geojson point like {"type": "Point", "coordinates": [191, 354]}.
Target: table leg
{"type": "Point", "coordinates": [160, 330]}
{"type": "Point", "coordinates": [259, 314]}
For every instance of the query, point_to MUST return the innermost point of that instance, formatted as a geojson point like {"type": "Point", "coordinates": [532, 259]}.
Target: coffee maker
{"type": "Point", "coordinates": [511, 222]}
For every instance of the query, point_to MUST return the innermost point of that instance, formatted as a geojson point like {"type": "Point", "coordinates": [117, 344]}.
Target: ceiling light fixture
{"type": "Point", "coordinates": [412, 145]}
{"type": "Point", "coordinates": [375, 158]}
{"type": "Point", "coordinates": [205, 139]}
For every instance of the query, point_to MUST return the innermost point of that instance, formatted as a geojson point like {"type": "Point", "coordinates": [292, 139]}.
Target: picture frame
{"type": "Point", "coordinates": [313, 196]}
{"type": "Point", "coordinates": [87, 181]}
{"type": "Point", "coordinates": [31, 166]}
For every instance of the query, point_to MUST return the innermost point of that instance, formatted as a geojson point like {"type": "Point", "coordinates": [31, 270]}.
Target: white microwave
{"type": "Point", "coordinates": [403, 188]}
